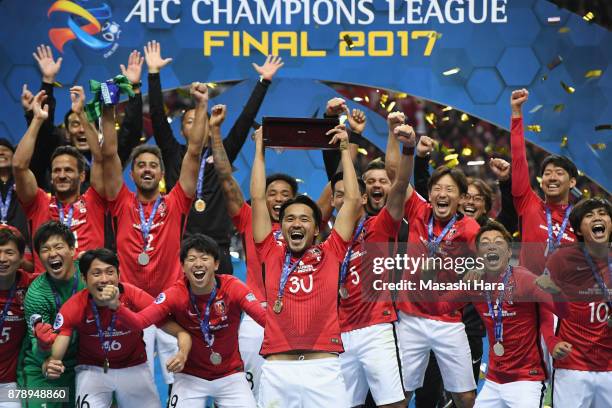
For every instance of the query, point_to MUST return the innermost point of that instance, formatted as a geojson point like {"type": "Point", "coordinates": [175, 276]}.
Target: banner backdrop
{"type": "Point", "coordinates": [469, 54]}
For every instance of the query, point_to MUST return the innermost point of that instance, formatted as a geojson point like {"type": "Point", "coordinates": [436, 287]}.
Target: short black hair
{"type": "Point", "coordinates": [484, 190]}
{"type": "Point", "coordinates": [283, 177]}
{"type": "Point", "coordinates": [585, 206]}
{"type": "Point", "coordinates": [11, 234]}
{"type": "Point", "coordinates": [70, 151]}
{"type": "Point", "coordinates": [199, 242]}
{"type": "Point", "coordinates": [560, 161]}
{"type": "Point", "coordinates": [7, 143]}
{"type": "Point", "coordinates": [455, 173]}
{"type": "Point", "coordinates": [105, 255]}
{"type": "Point", "coordinates": [67, 118]}
{"type": "Point", "coordinates": [339, 176]}
{"type": "Point", "coordinates": [302, 199]}
{"type": "Point", "coordinates": [492, 225]}
{"type": "Point", "coordinates": [146, 148]}
{"type": "Point", "coordinates": [50, 229]}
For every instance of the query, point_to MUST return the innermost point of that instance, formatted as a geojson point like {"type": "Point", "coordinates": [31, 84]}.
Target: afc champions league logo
{"type": "Point", "coordinates": [89, 22]}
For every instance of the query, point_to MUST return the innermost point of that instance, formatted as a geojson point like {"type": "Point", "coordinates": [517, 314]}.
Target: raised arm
{"type": "Point", "coordinates": [197, 137]}
{"type": "Point", "coordinates": [421, 165]}
{"type": "Point", "coordinates": [347, 216]}
{"type": "Point", "coordinates": [392, 155]}
{"type": "Point", "coordinates": [262, 225]}
{"type": "Point", "coordinates": [96, 176]}
{"type": "Point", "coordinates": [25, 182]}
{"type": "Point", "coordinates": [112, 171]}
{"type": "Point", "coordinates": [521, 188]}
{"type": "Point", "coordinates": [405, 135]}
{"type": "Point", "coordinates": [131, 127]}
{"type": "Point", "coordinates": [507, 215]}
{"type": "Point", "coordinates": [231, 190]}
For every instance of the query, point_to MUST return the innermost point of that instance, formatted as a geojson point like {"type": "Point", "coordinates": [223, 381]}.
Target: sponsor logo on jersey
{"type": "Point", "coordinates": [251, 297]}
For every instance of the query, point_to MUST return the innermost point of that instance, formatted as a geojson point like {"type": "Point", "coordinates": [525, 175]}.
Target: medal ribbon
{"type": "Point", "coordinates": [434, 242]}
{"type": "Point", "coordinates": [56, 296]}
{"type": "Point", "coordinates": [62, 216]}
{"type": "Point", "coordinates": [598, 278]}
{"type": "Point", "coordinates": [5, 204]}
{"type": "Point", "coordinates": [145, 225]}
{"type": "Point", "coordinates": [201, 174]}
{"type": "Point", "coordinates": [8, 304]}
{"type": "Point", "coordinates": [287, 269]}
{"type": "Point", "coordinates": [349, 252]}
{"type": "Point", "coordinates": [205, 318]}
{"type": "Point", "coordinates": [554, 242]}
{"type": "Point", "coordinates": [498, 319]}
{"type": "Point", "coordinates": [101, 335]}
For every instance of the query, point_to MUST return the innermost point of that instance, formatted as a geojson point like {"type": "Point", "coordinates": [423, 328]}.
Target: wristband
{"type": "Point", "coordinates": [344, 144]}
{"type": "Point", "coordinates": [137, 85]}
{"type": "Point", "coordinates": [35, 318]}
{"type": "Point", "coordinates": [407, 150]}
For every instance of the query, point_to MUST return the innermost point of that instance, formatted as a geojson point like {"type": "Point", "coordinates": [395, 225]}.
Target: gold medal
{"type": "Point", "coordinates": [106, 365]}
{"type": "Point", "coordinates": [199, 205]}
{"type": "Point", "coordinates": [343, 292]}
{"type": "Point", "coordinates": [278, 306]}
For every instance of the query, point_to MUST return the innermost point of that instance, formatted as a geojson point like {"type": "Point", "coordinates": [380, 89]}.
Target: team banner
{"type": "Point", "coordinates": [468, 54]}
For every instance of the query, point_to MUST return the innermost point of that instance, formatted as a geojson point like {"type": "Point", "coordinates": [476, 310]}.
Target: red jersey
{"type": "Point", "coordinates": [459, 241]}
{"type": "Point", "coordinates": [364, 306]}
{"type": "Point", "coordinates": [532, 209]}
{"type": "Point", "coordinates": [244, 225]}
{"type": "Point", "coordinates": [586, 327]}
{"type": "Point", "coordinates": [163, 242]}
{"type": "Point", "coordinates": [309, 317]}
{"type": "Point", "coordinates": [231, 299]}
{"type": "Point", "coordinates": [87, 219]}
{"type": "Point", "coordinates": [14, 328]}
{"type": "Point", "coordinates": [126, 347]}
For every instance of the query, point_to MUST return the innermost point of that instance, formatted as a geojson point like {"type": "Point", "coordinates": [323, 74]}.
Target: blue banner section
{"type": "Point", "coordinates": [466, 54]}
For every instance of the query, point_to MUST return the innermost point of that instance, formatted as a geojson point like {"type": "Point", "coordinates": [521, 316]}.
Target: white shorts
{"type": "Point", "coordinates": [166, 346]}
{"type": "Point", "coordinates": [232, 391]}
{"type": "Point", "coordinates": [419, 335]}
{"type": "Point", "coordinates": [301, 384]}
{"type": "Point", "coordinates": [371, 361]}
{"type": "Point", "coordinates": [582, 389]}
{"type": "Point", "coordinates": [250, 337]}
{"type": "Point", "coordinates": [4, 389]}
{"type": "Point", "coordinates": [517, 394]}
{"type": "Point", "coordinates": [133, 386]}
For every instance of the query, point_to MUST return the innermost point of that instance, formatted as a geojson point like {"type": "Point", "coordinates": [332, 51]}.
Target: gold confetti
{"type": "Point", "coordinates": [539, 179]}
{"type": "Point", "coordinates": [401, 95]}
{"type": "Point", "coordinates": [568, 89]}
{"type": "Point", "coordinates": [536, 108]}
{"type": "Point", "coordinates": [564, 141]}
{"type": "Point", "coordinates": [445, 119]}
{"type": "Point", "coordinates": [367, 99]}
{"type": "Point", "coordinates": [516, 234]}
{"type": "Point", "coordinates": [489, 149]}
{"type": "Point", "coordinates": [559, 108]}
{"type": "Point", "coordinates": [450, 157]}
{"type": "Point", "coordinates": [564, 30]}
{"type": "Point", "coordinates": [555, 62]}
{"type": "Point", "coordinates": [452, 71]}
{"type": "Point", "coordinates": [143, 138]}
{"type": "Point", "coordinates": [598, 146]}
{"type": "Point", "coordinates": [464, 117]}
{"type": "Point", "coordinates": [384, 98]}
{"type": "Point", "coordinates": [391, 106]}
{"type": "Point", "coordinates": [211, 85]}
{"type": "Point", "coordinates": [162, 185]}
{"type": "Point", "coordinates": [534, 128]}
{"type": "Point", "coordinates": [586, 193]}
{"type": "Point", "coordinates": [589, 16]}
{"type": "Point", "coordinates": [117, 126]}
{"type": "Point", "coordinates": [431, 119]}
{"type": "Point", "coordinates": [362, 151]}
{"type": "Point", "coordinates": [603, 127]}
{"type": "Point", "coordinates": [544, 78]}
{"type": "Point", "coordinates": [448, 108]}
{"type": "Point", "coordinates": [349, 41]}
{"type": "Point", "coordinates": [580, 173]}
{"type": "Point", "coordinates": [466, 151]}
{"type": "Point", "coordinates": [57, 84]}
{"type": "Point", "coordinates": [594, 73]}
{"type": "Point", "coordinates": [452, 163]}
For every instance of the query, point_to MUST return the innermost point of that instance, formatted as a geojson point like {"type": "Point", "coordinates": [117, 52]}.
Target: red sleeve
{"type": "Point", "coordinates": [243, 218]}
{"type": "Point", "coordinates": [178, 198]}
{"type": "Point", "coordinates": [522, 193]}
{"type": "Point", "coordinates": [92, 197]}
{"type": "Point", "coordinates": [266, 247]}
{"type": "Point", "coordinates": [116, 206]}
{"type": "Point", "coordinates": [384, 223]}
{"type": "Point", "coordinates": [139, 298]}
{"type": "Point", "coordinates": [336, 245]}
{"type": "Point", "coordinates": [71, 313]}
{"type": "Point", "coordinates": [154, 313]}
{"type": "Point", "coordinates": [547, 326]}
{"type": "Point", "coordinates": [413, 205]}
{"type": "Point", "coordinates": [41, 200]}
{"type": "Point", "coordinates": [248, 302]}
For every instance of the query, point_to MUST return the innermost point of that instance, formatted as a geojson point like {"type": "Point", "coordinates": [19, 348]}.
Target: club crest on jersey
{"type": "Point", "coordinates": [20, 295]}
{"type": "Point", "coordinates": [160, 298]}
{"type": "Point", "coordinates": [251, 297]}
{"type": "Point", "coordinates": [59, 321]}
{"type": "Point", "coordinates": [219, 306]}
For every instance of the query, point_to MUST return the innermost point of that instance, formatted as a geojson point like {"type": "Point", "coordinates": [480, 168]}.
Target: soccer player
{"type": "Point", "coordinates": [583, 273]}
{"type": "Point", "coordinates": [209, 306]}
{"type": "Point", "coordinates": [54, 243]}
{"type": "Point", "coordinates": [437, 229]}
{"type": "Point", "coordinates": [279, 188]}
{"type": "Point", "coordinates": [302, 331]}
{"type": "Point", "coordinates": [515, 318]}
{"type": "Point", "coordinates": [149, 226]}
{"type": "Point", "coordinates": [370, 358]}
{"type": "Point", "coordinates": [110, 355]}
{"type": "Point", "coordinates": [544, 223]}
{"type": "Point", "coordinates": [83, 214]}
{"type": "Point", "coordinates": [14, 283]}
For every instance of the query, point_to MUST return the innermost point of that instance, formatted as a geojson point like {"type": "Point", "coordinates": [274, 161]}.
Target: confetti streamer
{"type": "Point", "coordinates": [466, 151]}
{"type": "Point", "coordinates": [450, 157]}
{"type": "Point", "coordinates": [451, 71]}
{"type": "Point", "coordinates": [598, 146]}
{"type": "Point", "coordinates": [431, 119]}
{"type": "Point", "coordinates": [589, 16]}
{"type": "Point", "coordinates": [555, 62]}
{"type": "Point", "coordinates": [476, 163]}
{"type": "Point", "coordinates": [553, 20]}
{"type": "Point", "coordinates": [594, 73]}
{"type": "Point", "coordinates": [564, 30]}
{"type": "Point", "coordinates": [362, 151]}
{"type": "Point", "coordinates": [564, 141]}
{"type": "Point", "coordinates": [534, 128]}
{"type": "Point", "coordinates": [568, 89]}
{"type": "Point", "coordinates": [448, 108]}
{"type": "Point", "coordinates": [391, 106]}
{"type": "Point", "coordinates": [536, 108]}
